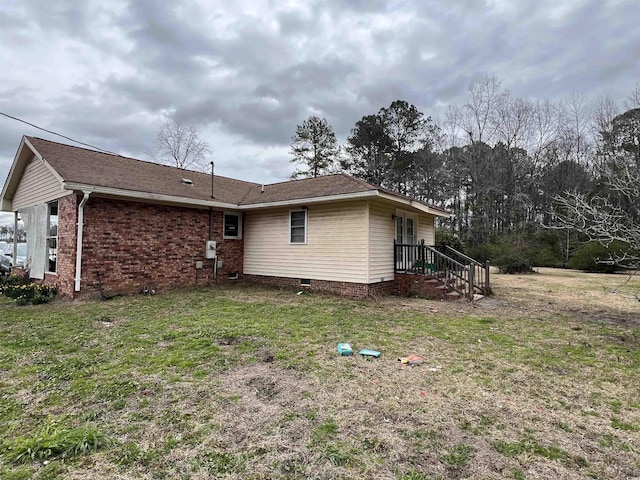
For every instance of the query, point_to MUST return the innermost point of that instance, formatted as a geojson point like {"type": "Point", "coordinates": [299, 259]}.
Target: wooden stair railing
{"type": "Point", "coordinates": [453, 269]}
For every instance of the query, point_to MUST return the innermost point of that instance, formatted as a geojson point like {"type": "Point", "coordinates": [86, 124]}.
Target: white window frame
{"type": "Point", "coordinates": [224, 225]}
{"type": "Point", "coordinates": [49, 237]}
{"type": "Point", "coordinates": [404, 214]}
{"type": "Point", "coordinates": [306, 225]}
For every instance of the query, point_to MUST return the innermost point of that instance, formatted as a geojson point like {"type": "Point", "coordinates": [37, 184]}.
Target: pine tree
{"type": "Point", "coordinates": [314, 145]}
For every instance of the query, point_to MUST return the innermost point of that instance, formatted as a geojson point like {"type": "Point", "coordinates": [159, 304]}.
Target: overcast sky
{"type": "Point", "coordinates": [247, 72]}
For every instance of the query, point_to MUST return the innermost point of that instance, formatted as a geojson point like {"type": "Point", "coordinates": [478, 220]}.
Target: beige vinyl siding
{"type": "Point", "coordinates": [424, 221]}
{"type": "Point", "coordinates": [381, 235]}
{"type": "Point", "coordinates": [425, 229]}
{"type": "Point", "coordinates": [37, 185]}
{"type": "Point", "coordinates": [336, 247]}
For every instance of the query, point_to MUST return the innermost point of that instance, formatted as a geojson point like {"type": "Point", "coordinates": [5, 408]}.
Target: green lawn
{"type": "Point", "coordinates": [245, 382]}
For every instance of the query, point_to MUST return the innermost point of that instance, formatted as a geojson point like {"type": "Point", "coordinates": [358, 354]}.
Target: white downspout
{"type": "Point", "coordinates": [14, 259]}
{"type": "Point", "coordinates": [79, 244]}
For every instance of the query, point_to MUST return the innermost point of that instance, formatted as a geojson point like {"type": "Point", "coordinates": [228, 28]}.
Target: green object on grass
{"type": "Point", "coordinates": [369, 353]}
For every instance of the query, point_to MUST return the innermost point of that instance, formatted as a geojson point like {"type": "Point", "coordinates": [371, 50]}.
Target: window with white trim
{"type": "Point", "coordinates": [52, 237]}
{"type": "Point", "coordinates": [232, 227]}
{"type": "Point", "coordinates": [298, 226]}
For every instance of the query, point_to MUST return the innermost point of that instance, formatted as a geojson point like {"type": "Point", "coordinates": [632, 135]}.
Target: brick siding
{"type": "Point", "coordinates": [134, 245]}
{"type": "Point", "coordinates": [382, 289]}
{"type": "Point", "coordinates": [409, 284]}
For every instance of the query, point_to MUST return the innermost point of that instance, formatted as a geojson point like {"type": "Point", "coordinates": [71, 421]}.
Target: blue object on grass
{"type": "Point", "coordinates": [369, 353]}
{"type": "Point", "coordinates": [344, 349]}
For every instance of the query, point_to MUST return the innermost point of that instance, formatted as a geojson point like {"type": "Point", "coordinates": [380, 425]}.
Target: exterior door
{"type": "Point", "coordinates": [406, 234]}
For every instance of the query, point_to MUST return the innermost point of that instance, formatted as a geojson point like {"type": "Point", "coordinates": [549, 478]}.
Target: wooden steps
{"type": "Point", "coordinates": [434, 286]}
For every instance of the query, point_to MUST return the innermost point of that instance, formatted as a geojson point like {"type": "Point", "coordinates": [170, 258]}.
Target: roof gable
{"type": "Point", "coordinates": [38, 184]}
{"type": "Point", "coordinates": [88, 167]}
{"type": "Point", "coordinates": [21, 162]}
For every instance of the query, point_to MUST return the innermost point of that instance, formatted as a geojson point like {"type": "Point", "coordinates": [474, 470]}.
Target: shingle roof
{"type": "Point", "coordinates": [78, 165]}
{"type": "Point", "coordinates": [89, 167]}
{"type": "Point", "coordinates": [323, 186]}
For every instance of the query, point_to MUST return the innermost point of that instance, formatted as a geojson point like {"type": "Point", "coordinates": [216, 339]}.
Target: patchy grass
{"type": "Point", "coordinates": [541, 381]}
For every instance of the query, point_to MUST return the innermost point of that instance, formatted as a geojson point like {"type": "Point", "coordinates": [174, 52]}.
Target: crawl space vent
{"type": "Point", "coordinates": [187, 181]}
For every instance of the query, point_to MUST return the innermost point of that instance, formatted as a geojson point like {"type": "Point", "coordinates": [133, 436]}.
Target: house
{"type": "Point", "coordinates": [97, 217]}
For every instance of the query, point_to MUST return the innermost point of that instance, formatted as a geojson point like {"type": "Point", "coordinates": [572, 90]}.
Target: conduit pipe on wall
{"type": "Point", "coordinates": [213, 268]}
{"type": "Point", "coordinates": [79, 239]}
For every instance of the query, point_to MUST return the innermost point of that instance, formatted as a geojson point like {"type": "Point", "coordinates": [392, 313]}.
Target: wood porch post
{"type": "Point", "coordinates": [486, 278]}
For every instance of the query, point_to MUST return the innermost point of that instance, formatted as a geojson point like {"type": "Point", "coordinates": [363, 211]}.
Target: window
{"type": "Point", "coordinates": [406, 227]}
{"type": "Point", "coordinates": [52, 238]}
{"type": "Point", "coordinates": [411, 233]}
{"type": "Point", "coordinates": [399, 229]}
{"type": "Point", "coordinates": [232, 225]}
{"type": "Point", "coordinates": [298, 226]}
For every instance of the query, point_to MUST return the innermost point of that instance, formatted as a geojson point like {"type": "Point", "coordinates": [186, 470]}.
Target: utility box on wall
{"type": "Point", "coordinates": [210, 250]}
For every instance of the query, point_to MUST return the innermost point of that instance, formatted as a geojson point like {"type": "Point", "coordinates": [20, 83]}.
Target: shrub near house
{"type": "Point", "coordinates": [594, 257]}
{"type": "Point", "coordinates": [25, 292]}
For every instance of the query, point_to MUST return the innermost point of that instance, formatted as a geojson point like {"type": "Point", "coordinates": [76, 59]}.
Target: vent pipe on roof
{"type": "Point", "coordinates": [212, 176]}
{"type": "Point", "coordinates": [262, 190]}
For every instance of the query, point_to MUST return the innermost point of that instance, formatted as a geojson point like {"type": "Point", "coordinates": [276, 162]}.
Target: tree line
{"type": "Point", "coordinates": [513, 171]}
{"type": "Point", "coordinates": [6, 233]}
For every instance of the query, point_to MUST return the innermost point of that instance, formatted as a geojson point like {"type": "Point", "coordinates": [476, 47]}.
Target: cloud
{"type": "Point", "coordinates": [246, 72]}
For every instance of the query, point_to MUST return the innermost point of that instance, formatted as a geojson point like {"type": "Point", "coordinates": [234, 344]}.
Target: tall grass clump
{"type": "Point", "coordinates": [55, 440]}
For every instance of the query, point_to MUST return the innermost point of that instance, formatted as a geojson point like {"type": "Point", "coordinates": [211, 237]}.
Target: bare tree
{"type": "Point", "coordinates": [451, 127]}
{"type": "Point", "coordinates": [633, 99]}
{"type": "Point", "coordinates": [511, 120]}
{"type": "Point", "coordinates": [179, 144]}
{"type": "Point", "coordinates": [576, 139]}
{"type": "Point", "coordinates": [476, 121]}
{"type": "Point", "coordinates": [545, 128]}
{"type": "Point", "coordinates": [608, 217]}
{"type": "Point", "coordinates": [604, 110]}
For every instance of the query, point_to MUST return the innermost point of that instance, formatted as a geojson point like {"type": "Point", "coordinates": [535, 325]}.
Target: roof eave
{"type": "Point", "coordinates": [146, 196]}
{"type": "Point", "coordinates": [415, 204]}
{"type": "Point", "coordinates": [349, 196]}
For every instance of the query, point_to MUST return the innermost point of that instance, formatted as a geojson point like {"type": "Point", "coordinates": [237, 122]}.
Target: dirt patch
{"type": "Point", "coordinates": [265, 388]}
{"type": "Point", "coordinates": [109, 322]}
{"type": "Point", "coordinates": [228, 340]}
